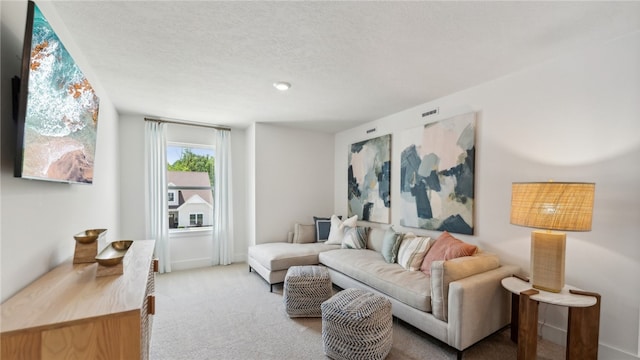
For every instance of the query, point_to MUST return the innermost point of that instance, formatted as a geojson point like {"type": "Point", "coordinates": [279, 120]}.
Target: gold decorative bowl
{"type": "Point", "coordinates": [109, 259]}
{"type": "Point", "coordinates": [122, 244]}
{"type": "Point", "coordinates": [113, 254]}
{"type": "Point", "coordinates": [88, 236]}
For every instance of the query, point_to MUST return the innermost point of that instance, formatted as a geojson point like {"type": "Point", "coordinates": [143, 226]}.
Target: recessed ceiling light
{"type": "Point", "coordinates": [281, 85]}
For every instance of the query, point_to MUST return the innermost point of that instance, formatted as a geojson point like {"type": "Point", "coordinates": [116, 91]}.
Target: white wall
{"type": "Point", "coordinates": [572, 119]}
{"type": "Point", "coordinates": [191, 249]}
{"type": "Point", "coordinates": [250, 168]}
{"type": "Point", "coordinates": [293, 179]}
{"type": "Point", "coordinates": [132, 186]}
{"type": "Point", "coordinates": [40, 218]}
{"type": "Point", "coordinates": [240, 159]}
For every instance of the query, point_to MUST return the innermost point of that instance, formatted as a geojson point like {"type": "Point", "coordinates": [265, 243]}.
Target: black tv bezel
{"type": "Point", "coordinates": [23, 89]}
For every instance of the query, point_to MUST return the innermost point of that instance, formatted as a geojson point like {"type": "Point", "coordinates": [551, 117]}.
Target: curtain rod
{"type": "Point", "coordinates": [191, 123]}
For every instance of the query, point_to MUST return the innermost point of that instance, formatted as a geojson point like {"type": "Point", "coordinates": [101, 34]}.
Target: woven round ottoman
{"type": "Point", "coordinates": [357, 324]}
{"type": "Point", "coordinates": [305, 288]}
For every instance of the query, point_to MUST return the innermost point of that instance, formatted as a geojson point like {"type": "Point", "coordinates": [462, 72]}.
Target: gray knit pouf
{"type": "Point", "coordinates": [305, 288]}
{"type": "Point", "coordinates": [357, 324]}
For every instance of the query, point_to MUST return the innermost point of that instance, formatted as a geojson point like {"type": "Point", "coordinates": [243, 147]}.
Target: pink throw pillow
{"type": "Point", "coordinates": [446, 247]}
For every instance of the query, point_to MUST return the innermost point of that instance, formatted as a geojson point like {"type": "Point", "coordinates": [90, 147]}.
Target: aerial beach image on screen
{"type": "Point", "coordinates": [62, 112]}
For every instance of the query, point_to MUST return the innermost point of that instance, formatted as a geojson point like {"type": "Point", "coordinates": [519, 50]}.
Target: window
{"type": "Point", "coordinates": [196, 219]}
{"type": "Point", "coordinates": [172, 196]}
{"type": "Point", "coordinates": [190, 179]}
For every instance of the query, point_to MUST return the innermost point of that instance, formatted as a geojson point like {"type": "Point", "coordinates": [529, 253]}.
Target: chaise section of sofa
{"type": "Point", "coordinates": [272, 260]}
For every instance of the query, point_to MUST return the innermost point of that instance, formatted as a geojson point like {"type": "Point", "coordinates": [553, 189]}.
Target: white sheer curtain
{"type": "Point", "coordinates": [223, 204]}
{"type": "Point", "coordinates": [156, 211]}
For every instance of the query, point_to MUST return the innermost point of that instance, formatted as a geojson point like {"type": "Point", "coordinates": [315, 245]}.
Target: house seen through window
{"type": "Point", "coordinates": [190, 182]}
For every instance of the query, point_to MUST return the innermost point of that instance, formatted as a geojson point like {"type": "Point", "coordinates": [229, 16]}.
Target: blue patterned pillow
{"type": "Point", "coordinates": [355, 238]}
{"type": "Point", "coordinates": [323, 227]}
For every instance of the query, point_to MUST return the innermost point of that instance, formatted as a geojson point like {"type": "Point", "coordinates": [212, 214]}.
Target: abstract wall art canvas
{"type": "Point", "coordinates": [437, 175]}
{"type": "Point", "coordinates": [369, 179]}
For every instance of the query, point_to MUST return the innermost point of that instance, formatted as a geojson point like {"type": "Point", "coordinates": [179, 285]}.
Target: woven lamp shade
{"type": "Point", "coordinates": [551, 206]}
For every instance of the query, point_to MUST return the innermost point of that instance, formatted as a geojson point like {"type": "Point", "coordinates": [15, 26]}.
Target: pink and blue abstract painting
{"type": "Point", "coordinates": [437, 175]}
{"type": "Point", "coordinates": [369, 179]}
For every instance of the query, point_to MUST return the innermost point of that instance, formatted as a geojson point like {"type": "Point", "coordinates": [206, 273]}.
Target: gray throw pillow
{"type": "Point", "coordinates": [304, 234]}
{"type": "Point", "coordinates": [390, 245]}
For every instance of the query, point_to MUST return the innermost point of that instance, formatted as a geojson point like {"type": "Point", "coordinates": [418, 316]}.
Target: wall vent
{"type": "Point", "coordinates": [431, 112]}
{"type": "Point", "coordinates": [371, 130]}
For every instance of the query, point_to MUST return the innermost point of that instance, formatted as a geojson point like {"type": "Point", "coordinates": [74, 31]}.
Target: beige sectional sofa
{"type": "Point", "coordinates": [459, 303]}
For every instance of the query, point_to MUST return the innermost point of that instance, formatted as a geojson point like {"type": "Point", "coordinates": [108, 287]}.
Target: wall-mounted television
{"type": "Point", "coordinates": [57, 117]}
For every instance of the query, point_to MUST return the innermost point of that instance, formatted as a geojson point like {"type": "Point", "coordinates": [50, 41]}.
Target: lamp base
{"type": "Point", "coordinates": [547, 260]}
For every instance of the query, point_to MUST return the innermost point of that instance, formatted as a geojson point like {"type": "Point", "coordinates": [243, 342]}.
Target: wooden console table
{"type": "Point", "coordinates": [70, 313]}
{"type": "Point", "coordinates": [583, 323]}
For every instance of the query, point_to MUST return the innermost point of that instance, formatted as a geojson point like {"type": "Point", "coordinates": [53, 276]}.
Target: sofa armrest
{"type": "Point", "coordinates": [445, 272]}
{"type": "Point", "coordinates": [478, 305]}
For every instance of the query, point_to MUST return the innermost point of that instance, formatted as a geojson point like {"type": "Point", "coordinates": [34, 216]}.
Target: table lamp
{"type": "Point", "coordinates": [551, 206]}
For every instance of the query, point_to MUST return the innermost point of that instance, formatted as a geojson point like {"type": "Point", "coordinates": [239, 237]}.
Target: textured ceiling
{"type": "Point", "coordinates": [349, 62]}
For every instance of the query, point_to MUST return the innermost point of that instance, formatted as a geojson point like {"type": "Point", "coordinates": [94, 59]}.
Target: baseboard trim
{"type": "Point", "coordinates": [202, 262]}
{"type": "Point", "coordinates": [559, 336]}
{"type": "Point", "coordinates": [190, 264]}
{"type": "Point", "coordinates": [608, 352]}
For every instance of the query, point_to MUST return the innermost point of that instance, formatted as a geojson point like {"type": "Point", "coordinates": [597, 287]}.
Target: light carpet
{"type": "Point", "coordinates": [226, 312]}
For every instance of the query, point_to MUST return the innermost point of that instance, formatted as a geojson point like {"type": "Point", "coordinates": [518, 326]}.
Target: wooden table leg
{"type": "Point", "coordinates": [515, 302]}
{"type": "Point", "coordinates": [582, 330]}
{"type": "Point", "coordinates": [528, 326]}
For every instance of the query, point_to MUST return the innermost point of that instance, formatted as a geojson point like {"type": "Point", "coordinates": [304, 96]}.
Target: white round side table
{"type": "Point", "coordinates": [583, 323]}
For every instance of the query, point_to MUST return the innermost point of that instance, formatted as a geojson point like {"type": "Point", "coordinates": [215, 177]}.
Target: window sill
{"type": "Point", "coordinates": [192, 230]}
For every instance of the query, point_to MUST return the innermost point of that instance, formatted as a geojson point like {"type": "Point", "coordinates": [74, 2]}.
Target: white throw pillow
{"type": "Point", "coordinates": [338, 227]}
{"type": "Point", "coordinates": [412, 252]}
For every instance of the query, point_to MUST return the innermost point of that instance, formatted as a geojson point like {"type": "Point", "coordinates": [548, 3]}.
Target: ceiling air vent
{"type": "Point", "coordinates": [430, 112]}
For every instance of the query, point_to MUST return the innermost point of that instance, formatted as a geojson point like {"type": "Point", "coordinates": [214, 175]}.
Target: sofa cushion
{"type": "Point", "coordinates": [304, 234]}
{"type": "Point", "coordinates": [368, 266]}
{"type": "Point", "coordinates": [355, 238]}
{"type": "Point", "coordinates": [281, 256]}
{"type": "Point", "coordinates": [445, 272]}
{"type": "Point", "coordinates": [338, 228]}
{"type": "Point", "coordinates": [446, 247]}
{"type": "Point", "coordinates": [412, 251]}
